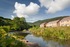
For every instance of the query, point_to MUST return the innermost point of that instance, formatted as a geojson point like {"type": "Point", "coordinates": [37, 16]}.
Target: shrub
{"type": "Point", "coordinates": [7, 40]}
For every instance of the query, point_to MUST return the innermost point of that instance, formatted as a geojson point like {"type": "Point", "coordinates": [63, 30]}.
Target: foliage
{"type": "Point", "coordinates": [4, 21]}
{"type": "Point", "coordinates": [9, 40]}
{"type": "Point", "coordinates": [6, 28]}
{"type": "Point", "coordinates": [24, 30]}
{"type": "Point", "coordinates": [61, 33]}
{"type": "Point", "coordinates": [15, 24]}
{"type": "Point", "coordinates": [19, 24]}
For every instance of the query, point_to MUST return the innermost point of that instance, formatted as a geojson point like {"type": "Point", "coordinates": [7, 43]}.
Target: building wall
{"type": "Point", "coordinates": [42, 25]}
{"type": "Point", "coordinates": [65, 23]}
{"type": "Point", "coordinates": [52, 24]}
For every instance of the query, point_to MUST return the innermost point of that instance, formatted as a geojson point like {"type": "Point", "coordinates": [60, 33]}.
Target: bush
{"type": "Point", "coordinates": [6, 28]}
{"type": "Point", "coordinates": [7, 40]}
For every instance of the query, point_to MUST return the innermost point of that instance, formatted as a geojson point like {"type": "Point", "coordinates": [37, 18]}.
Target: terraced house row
{"type": "Point", "coordinates": [60, 22]}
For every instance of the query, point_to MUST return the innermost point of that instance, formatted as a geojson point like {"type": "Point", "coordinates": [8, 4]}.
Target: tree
{"type": "Point", "coordinates": [19, 23]}
{"type": "Point", "coordinates": [15, 24]}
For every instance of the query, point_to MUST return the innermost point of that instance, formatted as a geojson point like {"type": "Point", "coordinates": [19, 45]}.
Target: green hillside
{"type": "Point", "coordinates": [4, 21]}
{"type": "Point", "coordinates": [37, 23]}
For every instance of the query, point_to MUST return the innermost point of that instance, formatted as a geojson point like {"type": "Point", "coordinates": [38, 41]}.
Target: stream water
{"type": "Point", "coordinates": [43, 43]}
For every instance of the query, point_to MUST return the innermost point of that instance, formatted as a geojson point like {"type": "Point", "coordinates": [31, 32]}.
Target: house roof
{"type": "Point", "coordinates": [66, 18]}
{"type": "Point", "coordinates": [53, 21]}
{"type": "Point", "coordinates": [43, 23]}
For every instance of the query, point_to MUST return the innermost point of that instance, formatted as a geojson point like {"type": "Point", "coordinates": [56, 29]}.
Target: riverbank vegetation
{"type": "Point", "coordinates": [9, 40]}
{"type": "Point", "coordinates": [16, 24]}
{"type": "Point", "coordinates": [12, 40]}
{"type": "Point", "coordinates": [20, 24]}
{"type": "Point", "coordinates": [60, 33]}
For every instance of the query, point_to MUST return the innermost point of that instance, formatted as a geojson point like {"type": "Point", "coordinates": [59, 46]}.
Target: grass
{"type": "Point", "coordinates": [60, 33]}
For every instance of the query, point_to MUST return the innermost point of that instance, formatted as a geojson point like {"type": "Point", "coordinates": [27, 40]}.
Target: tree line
{"type": "Point", "coordinates": [15, 24]}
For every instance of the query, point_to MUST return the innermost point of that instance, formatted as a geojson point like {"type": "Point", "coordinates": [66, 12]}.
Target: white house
{"type": "Point", "coordinates": [43, 25]}
{"type": "Point", "coordinates": [65, 21]}
{"type": "Point", "coordinates": [61, 22]}
{"type": "Point", "coordinates": [52, 23]}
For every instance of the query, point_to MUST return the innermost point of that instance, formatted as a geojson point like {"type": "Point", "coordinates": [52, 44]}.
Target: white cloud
{"type": "Point", "coordinates": [12, 17]}
{"type": "Point", "coordinates": [21, 10]}
{"type": "Point", "coordinates": [55, 5]}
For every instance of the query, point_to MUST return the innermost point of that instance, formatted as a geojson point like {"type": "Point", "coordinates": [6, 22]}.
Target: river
{"type": "Point", "coordinates": [43, 43]}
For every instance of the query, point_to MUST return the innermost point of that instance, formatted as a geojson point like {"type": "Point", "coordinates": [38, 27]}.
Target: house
{"type": "Point", "coordinates": [53, 23]}
{"type": "Point", "coordinates": [65, 21]}
{"type": "Point", "coordinates": [43, 25]}
{"type": "Point", "coordinates": [60, 22]}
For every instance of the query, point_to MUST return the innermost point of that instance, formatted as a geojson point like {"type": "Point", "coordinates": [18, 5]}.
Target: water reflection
{"type": "Point", "coordinates": [47, 43]}
{"type": "Point", "coordinates": [38, 40]}
{"type": "Point", "coordinates": [53, 44]}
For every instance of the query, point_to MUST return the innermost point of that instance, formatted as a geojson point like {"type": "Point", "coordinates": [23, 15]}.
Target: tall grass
{"type": "Point", "coordinates": [61, 33]}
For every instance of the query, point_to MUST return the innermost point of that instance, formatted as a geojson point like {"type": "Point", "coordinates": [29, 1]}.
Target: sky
{"type": "Point", "coordinates": [34, 10]}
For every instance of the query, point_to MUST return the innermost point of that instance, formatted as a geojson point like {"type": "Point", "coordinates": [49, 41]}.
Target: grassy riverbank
{"type": "Point", "coordinates": [60, 33]}
{"type": "Point", "coordinates": [9, 40]}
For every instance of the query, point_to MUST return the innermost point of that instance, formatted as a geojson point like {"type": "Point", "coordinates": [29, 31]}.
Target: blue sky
{"type": "Point", "coordinates": [41, 9]}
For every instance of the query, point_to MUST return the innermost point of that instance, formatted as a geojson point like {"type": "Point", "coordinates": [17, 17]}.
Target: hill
{"type": "Point", "coordinates": [4, 21]}
{"type": "Point", "coordinates": [37, 23]}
